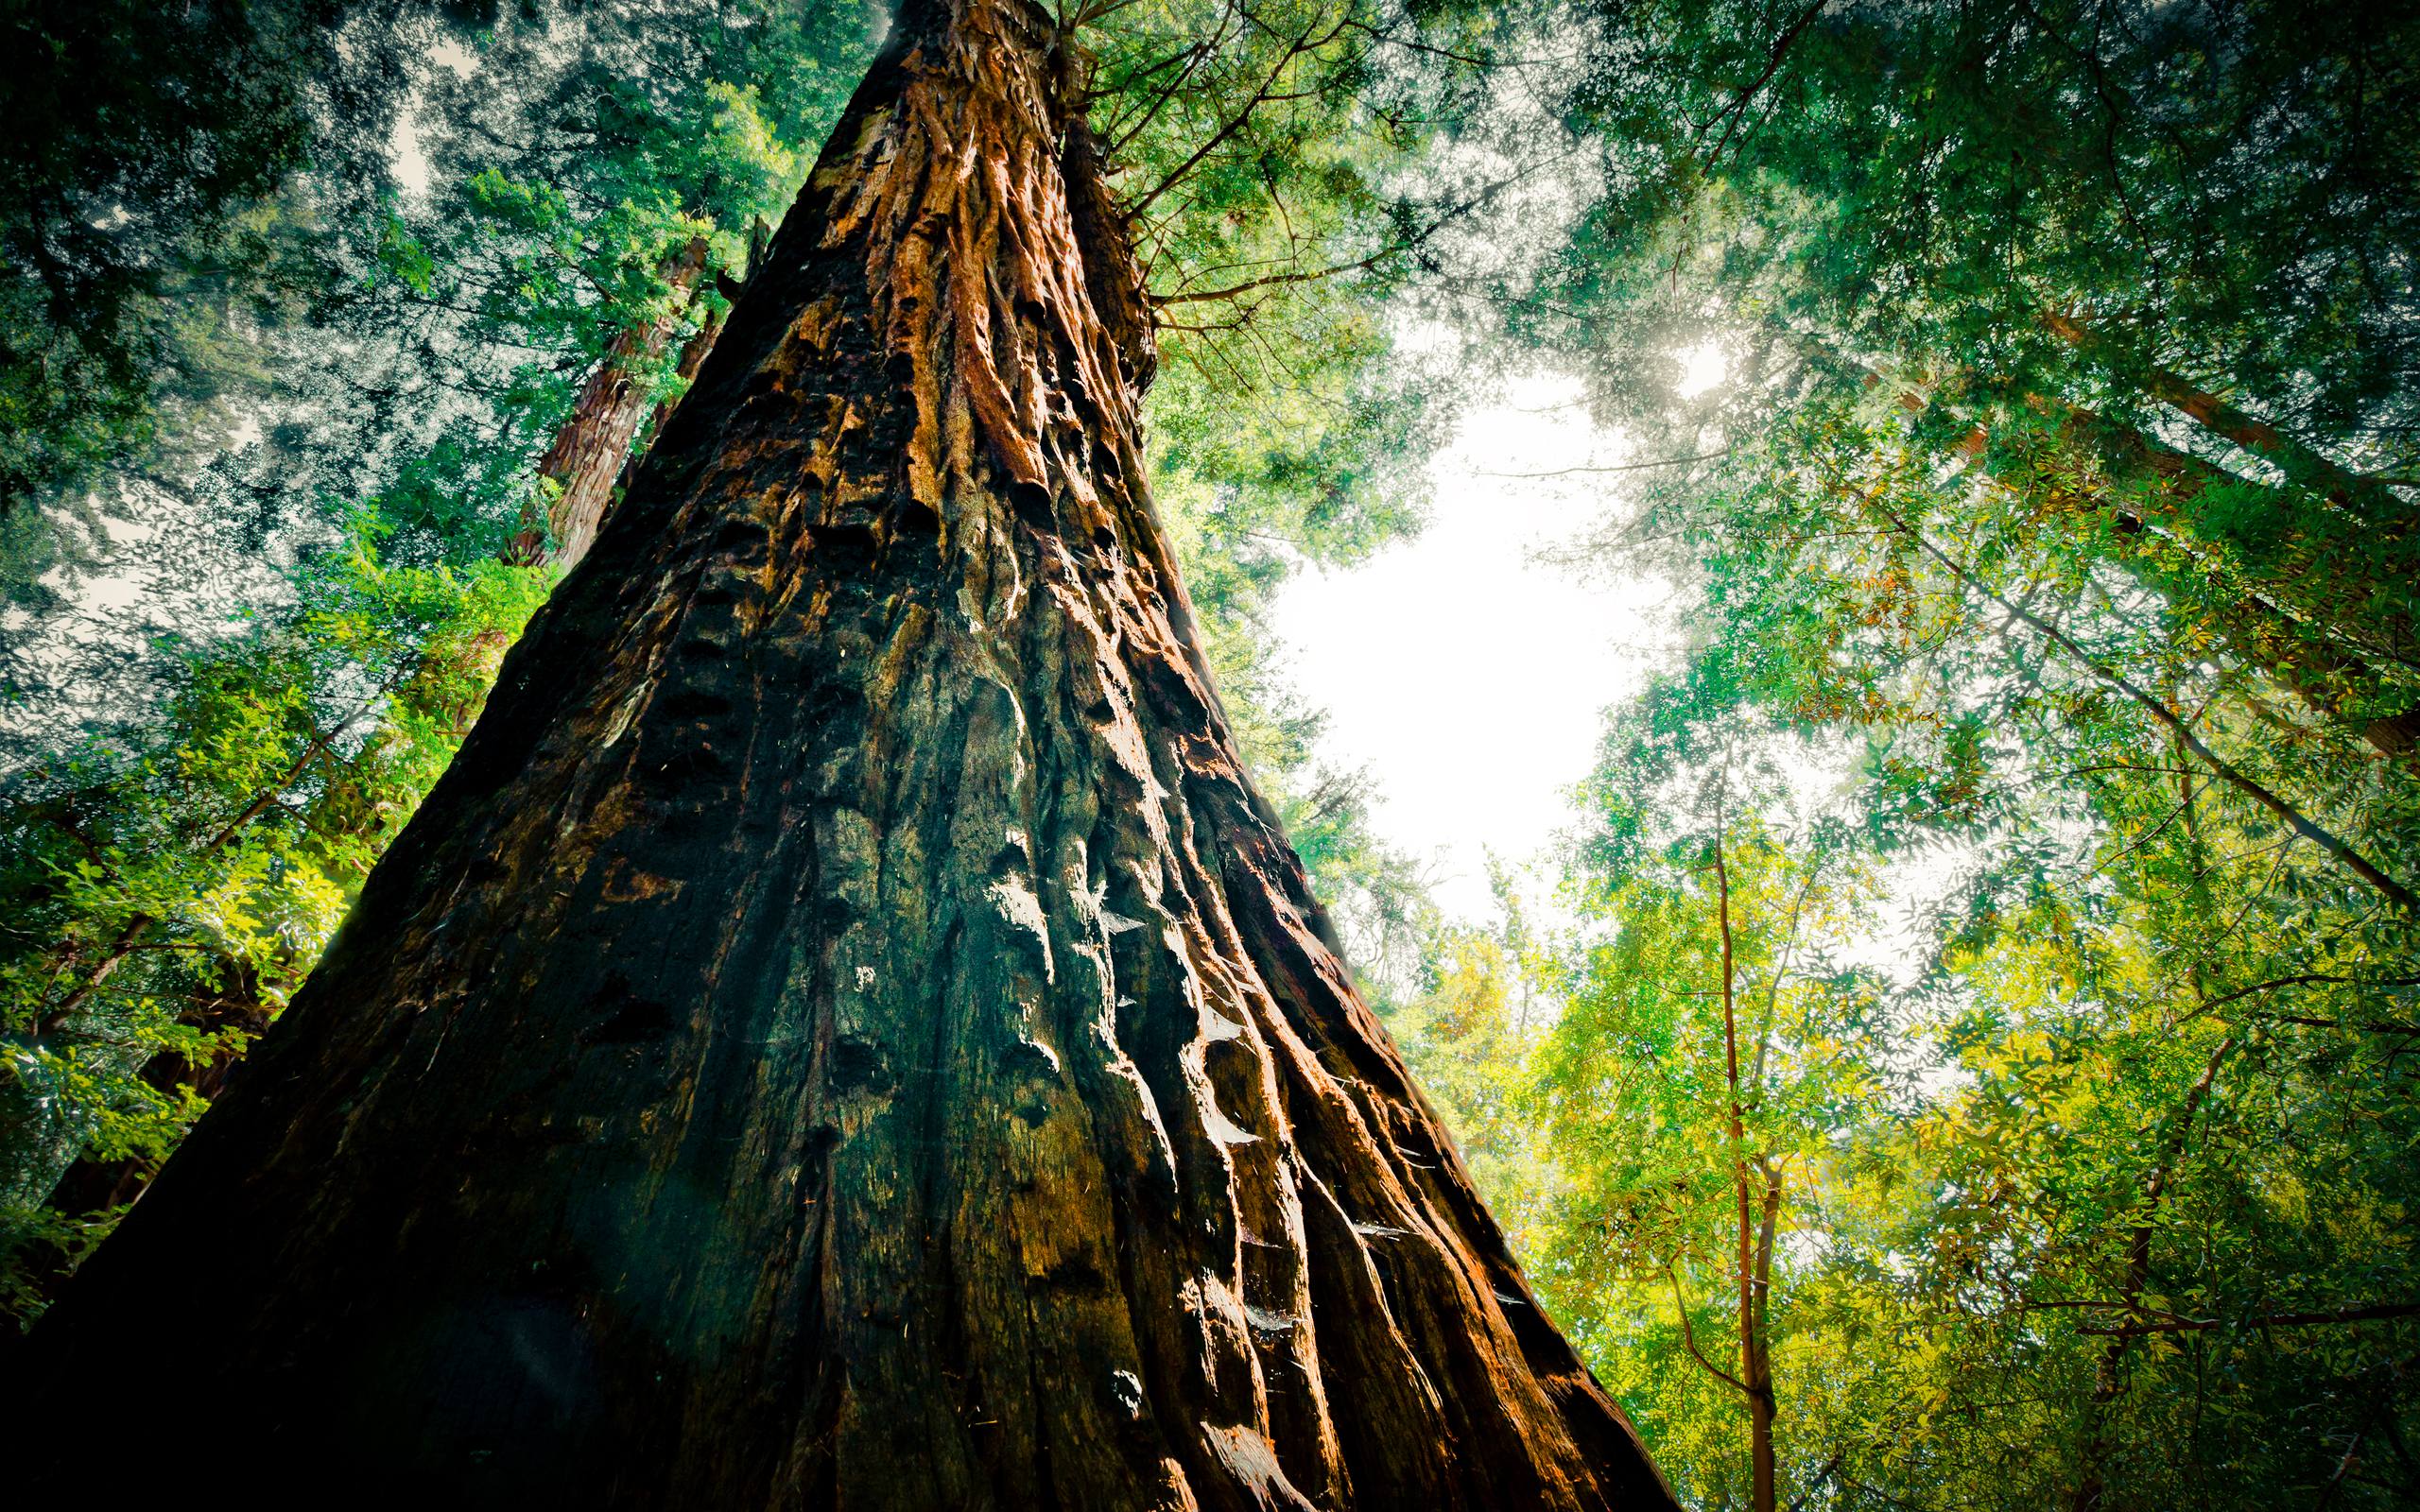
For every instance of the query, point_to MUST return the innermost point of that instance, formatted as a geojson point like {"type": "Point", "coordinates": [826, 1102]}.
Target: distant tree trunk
{"type": "Point", "coordinates": [42, 1164]}
{"type": "Point", "coordinates": [2309, 656]}
{"type": "Point", "coordinates": [701, 344]}
{"type": "Point", "coordinates": [693, 352]}
{"type": "Point", "coordinates": [40, 1139]}
{"type": "Point", "coordinates": [91, 1186]}
{"type": "Point", "coordinates": [2373, 499]}
{"type": "Point", "coordinates": [2310, 651]}
{"type": "Point", "coordinates": [846, 1032]}
{"type": "Point", "coordinates": [588, 454]}
{"type": "Point", "coordinates": [1756, 1219]}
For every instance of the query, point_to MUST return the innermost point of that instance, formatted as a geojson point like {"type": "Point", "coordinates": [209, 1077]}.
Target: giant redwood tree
{"type": "Point", "coordinates": [846, 1032]}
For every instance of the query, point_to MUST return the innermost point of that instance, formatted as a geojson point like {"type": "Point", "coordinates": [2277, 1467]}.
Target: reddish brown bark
{"type": "Point", "coordinates": [2371, 498]}
{"type": "Point", "coordinates": [589, 450]}
{"type": "Point", "coordinates": [693, 352]}
{"type": "Point", "coordinates": [1757, 1218]}
{"type": "Point", "coordinates": [846, 1032]}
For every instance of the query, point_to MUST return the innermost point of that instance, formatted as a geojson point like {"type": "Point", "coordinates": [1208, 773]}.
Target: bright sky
{"type": "Point", "coordinates": [1471, 680]}
{"type": "Point", "coordinates": [403, 152]}
{"type": "Point", "coordinates": [1469, 677]}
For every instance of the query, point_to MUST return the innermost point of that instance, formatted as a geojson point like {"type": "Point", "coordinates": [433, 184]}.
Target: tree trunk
{"type": "Point", "coordinates": [1754, 1268]}
{"type": "Point", "coordinates": [1757, 1357]}
{"type": "Point", "coordinates": [846, 1031]}
{"type": "Point", "coordinates": [2373, 501]}
{"type": "Point", "coordinates": [2309, 656]}
{"type": "Point", "coordinates": [91, 1186]}
{"type": "Point", "coordinates": [589, 450]}
{"type": "Point", "coordinates": [693, 357]}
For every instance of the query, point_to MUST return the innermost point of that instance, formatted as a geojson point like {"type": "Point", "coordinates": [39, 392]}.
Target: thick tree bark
{"type": "Point", "coordinates": [846, 1032]}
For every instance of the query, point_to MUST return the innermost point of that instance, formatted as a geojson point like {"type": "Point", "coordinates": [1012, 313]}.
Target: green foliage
{"type": "Point", "coordinates": [170, 886]}
{"type": "Point", "coordinates": [172, 876]}
{"type": "Point", "coordinates": [2075, 1204]}
{"type": "Point", "coordinates": [2215, 187]}
{"type": "Point", "coordinates": [103, 201]}
{"type": "Point", "coordinates": [2049, 610]}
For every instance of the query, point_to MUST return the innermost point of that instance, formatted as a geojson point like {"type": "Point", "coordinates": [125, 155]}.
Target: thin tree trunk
{"type": "Point", "coordinates": [2373, 500]}
{"type": "Point", "coordinates": [2109, 1377]}
{"type": "Point", "coordinates": [846, 1031]}
{"type": "Point", "coordinates": [1761, 1403]}
{"type": "Point", "coordinates": [2309, 656]}
{"type": "Point", "coordinates": [1754, 1270]}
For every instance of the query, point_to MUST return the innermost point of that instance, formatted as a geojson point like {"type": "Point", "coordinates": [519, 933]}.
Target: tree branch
{"type": "Point", "coordinates": [1622, 467]}
{"type": "Point", "coordinates": [2350, 859]}
{"type": "Point", "coordinates": [1738, 109]}
{"type": "Point", "coordinates": [1689, 1340]}
{"type": "Point", "coordinates": [1262, 96]}
{"type": "Point", "coordinates": [2374, 1313]}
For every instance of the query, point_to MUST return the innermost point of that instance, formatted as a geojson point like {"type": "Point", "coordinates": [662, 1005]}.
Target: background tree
{"type": "Point", "coordinates": [1713, 1049]}
{"type": "Point", "coordinates": [2055, 471]}
{"type": "Point", "coordinates": [166, 190]}
{"type": "Point", "coordinates": [2078, 240]}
